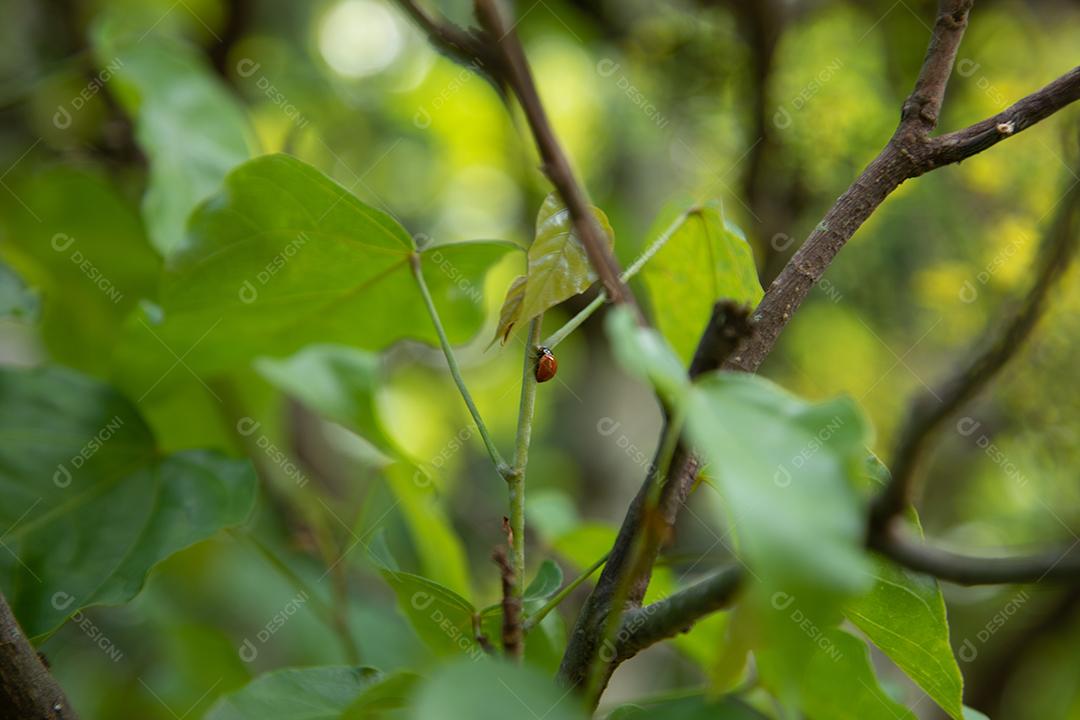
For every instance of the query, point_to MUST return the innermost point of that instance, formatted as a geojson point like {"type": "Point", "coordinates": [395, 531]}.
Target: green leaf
{"type": "Point", "coordinates": [89, 504]}
{"type": "Point", "coordinates": [558, 265]}
{"type": "Point", "coordinates": [338, 382]}
{"type": "Point", "coordinates": [786, 471]}
{"type": "Point", "coordinates": [392, 692]}
{"type": "Point", "coordinates": [442, 619]}
{"type": "Point", "coordinates": [548, 580]}
{"type": "Point", "coordinates": [283, 257]}
{"type": "Point", "coordinates": [316, 693]}
{"type": "Point", "coordinates": [442, 556]}
{"type": "Point", "coordinates": [492, 690]}
{"type": "Point", "coordinates": [644, 353]}
{"type": "Point", "coordinates": [693, 707]}
{"type": "Point", "coordinates": [840, 683]}
{"type": "Point", "coordinates": [706, 259]}
{"type": "Point", "coordinates": [187, 123]}
{"type": "Point", "coordinates": [88, 257]}
{"type": "Point", "coordinates": [904, 616]}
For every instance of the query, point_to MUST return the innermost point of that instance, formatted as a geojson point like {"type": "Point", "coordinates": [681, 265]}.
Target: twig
{"type": "Point", "coordinates": [451, 360]}
{"type": "Point", "coordinates": [498, 50]}
{"type": "Point", "coordinates": [27, 690]}
{"type": "Point", "coordinates": [654, 247]}
{"type": "Point", "coordinates": [511, 606]}
{"type": "Point", "coordinates": [929, 410]}
{"type": "Point", "coordinates": [973, 570]}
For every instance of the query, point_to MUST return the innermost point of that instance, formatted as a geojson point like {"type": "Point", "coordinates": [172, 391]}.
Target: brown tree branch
{"type": "Point", "coordinates": [511, 606]}
{"type": "Point", "coordinates": [676, 613]}
{"type": "Point", "coordinates": [911, 152]}
{"type": "Point", "coordinates": [27, 690]}
{"type": "Point", "coordinates": [497, 49]}
{"type": "Point", "coordinates": [930, 409]}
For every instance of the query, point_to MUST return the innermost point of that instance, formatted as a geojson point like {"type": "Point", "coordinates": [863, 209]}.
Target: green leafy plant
{"type": "Point", "coordinates": [212, 342]}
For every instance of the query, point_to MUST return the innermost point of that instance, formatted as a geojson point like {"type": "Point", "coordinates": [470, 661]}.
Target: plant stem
{"type": "Point", "coordinates": [535, 619]}
{"type": "Point", "coordinates": [575, 322]}
{"type": "Point", "coordinates": [500, 464]}
{"type": "Point", "coordinates": [516, 478]}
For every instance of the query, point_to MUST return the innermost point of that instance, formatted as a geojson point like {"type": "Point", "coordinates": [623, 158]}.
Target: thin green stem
{"type": "Point", "coordinates": [535, 619]}
{"type": "Point", "coordinates": [598, 672]}
{"type": "Point", "coordinates": [575, 322]}
{"type": "Point", "coordinates": [516, 478]}
{"type": "Point", "coordinates": [455, 371]}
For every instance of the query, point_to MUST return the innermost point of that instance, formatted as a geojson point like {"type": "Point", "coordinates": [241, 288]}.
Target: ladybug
{"type": "Point", "coordinates": [546, 364]}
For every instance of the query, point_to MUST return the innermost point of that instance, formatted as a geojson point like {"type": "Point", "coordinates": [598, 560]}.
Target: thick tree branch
{"type": "Point", "coordinates": [930, 409]}
{"type": "Point", "coordinates": [676, 613]}
{"type": "Point", "coordinates": [629, 562]}
{"type": "Point", "coordinates": [911, 152]}
{"type": "Point", "coordinates": [27, 690]}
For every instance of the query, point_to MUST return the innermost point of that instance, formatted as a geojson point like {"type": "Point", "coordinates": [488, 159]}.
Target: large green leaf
{"type": "Point", "coordinates": [87, 256]}
{"type": "Point", "coordinates": [493, 690]}
{"type": "Point", "coordinates": [390, 693]}
{"type": "Point", "coordinates": [706, 259]}
{"type": "Point", "coordinates": [643, 352]}
{"type": "Point", "coordinates": [283, 257]}
{"type": "Point", "coordinates": [558, 265]}
{"type": "Point", "coordinates": [88, 504]}
{"type": "Point", "coordinates": [904, 615]}
{"type": "Point", "coordinates": [316, 693]}
{"type": "Point", "coordinates": [445, 621]}
{"type": "Point", "coordinates": [787, 472]}
{"type": "Point", "coordinates": [187, 123]}
{"type": "Point", "coordinates": [840, 684]}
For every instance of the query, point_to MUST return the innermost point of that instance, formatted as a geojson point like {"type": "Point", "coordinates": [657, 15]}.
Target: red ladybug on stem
{"type": "Point", "coordinates": [546, 364]}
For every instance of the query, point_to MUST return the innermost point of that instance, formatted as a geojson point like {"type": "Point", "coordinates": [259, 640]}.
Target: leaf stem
{"type": "Point", "coordinates": [455, 371]}
{"type": "Point", "coordinates": [516, 478]}
{"type": "Point", "coordinates": [575, 322]}
{"type": "Point", "coordinates": [535, 619]}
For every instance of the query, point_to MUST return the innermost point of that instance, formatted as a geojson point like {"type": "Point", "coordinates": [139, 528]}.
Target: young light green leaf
{"type": "Point", "coordinates": [558, 265]}
{"type": "Point", "coordinates": [314, 693]}
{"type": "Point", "coordinates": [510, 312]}
{"type": "Point", "coordinates": [904, 616]}
{"type": "Point", "coordinates": [186, 122]}
{"type": "Point", "coordinates": [16, 299]}
{"type": "Point", "coordinates": [493, 690]}
{"type": "Point", "coordinates": [645, 353]}
{"type": "Point", "coordinates": [90, 505]}
{"type": "Point", "coordinates": [785, 469]}
{"type": "Point", "coordinates": [840, 683]}
{"type": "Point", "coordinates": [283, 257]}
{"type": "Point", "coordinates": [548, 580]}
{"type": "Point", "coordinates": [705, 260]}
{"type": "Point", "coordinates": [442, 619]}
